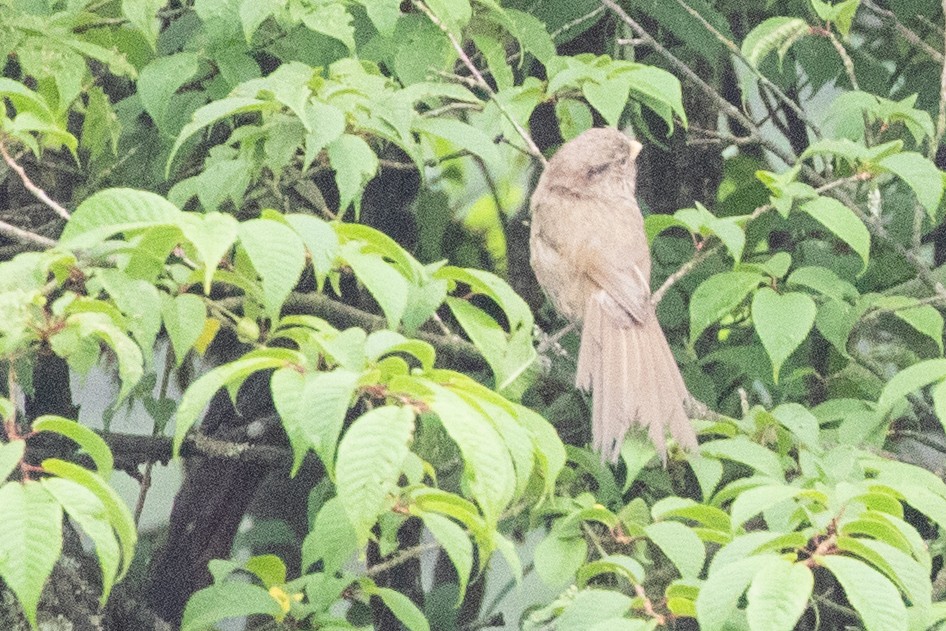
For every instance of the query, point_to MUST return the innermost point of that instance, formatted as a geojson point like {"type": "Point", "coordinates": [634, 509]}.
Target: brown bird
{"type": "Point", "coordinates": [589, 252]}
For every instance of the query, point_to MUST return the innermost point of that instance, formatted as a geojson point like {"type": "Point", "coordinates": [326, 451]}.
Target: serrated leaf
{"type": "Point", "coordinates": [216, 111]}
{"type": "Point", "coordinates": [463, 135]}
{"type": "Point", "coordinates": [355, 165]}
{"type": "Point", "coordinates": [332, 540]}
{"type": "Point", "coordinates": [559, 556]}
{"type": "Point", "coordinates": [842, 222]}
{"type": "Point", "coordinates": [777, 33]}
{"type": "Point", "coordinates": [488, 468]}
{"type": "Point", "coordinates": [313, 407]}
{"type": "Point", "coordinates": [778, 595]}
{"type": "Point", "coordinates": [200, 392]}
{"type": "Point", "coordinates": [870, 593]}
{"type": "Point", "coordinates": [212, 235]}
{"type": "Point", "coordinates": [456, 543]}
{"type": "Point", "coordinates": [717, 296]}
{"type": "Point", "coordinates": [371, 456]}
{"type": "Point", "coordinates": [719, 595]}
{"type": "Point", "coordinates": [85, 438]}
{"type": "Point", "coordinates": [10, 456]}
{"type": "Point", "coordinates": [184, 318]}
{"type": "Point", "coordinates": [230, 599]}
{"type": "Point", "coordinates": [88, 511]}
{"type": "Point", "coordinates": [115, 210]}
{"type": "Point", "coordinates": [160, 80]}
{"type": "Point", "coordinates": [910, 380]}
{"type": "Point", "coordinates": [117, 513]}
{"type": "Point", "coordinates": [388, 287]}
{"type": "Point", "coordinates": [102, 327]}
{"type": "Point", "coordinates": [743, 450]}
{"type": "Point", "coordinates": [31, 522]}
{"type": "Point", "coordinates": [278, 256]}
{"type": "Point", "coordinates": [402, 607]}
{"type": "Point", "coordinates": [680, 544]}
{"type": "Point", "coordinates": [921, 175]}
{"type": "Point", "coordinates": [753, 501]}
{"type": "Point", "coordinates": [783, 322]}
{"type": "Point", "coordinates": [320, 241]}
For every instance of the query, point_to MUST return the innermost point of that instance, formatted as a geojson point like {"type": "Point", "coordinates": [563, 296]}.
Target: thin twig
{"type": "Point", "coordinates": [482, 83]}
{"type": "Point", "coordinates": [24, 236]}
{"type": "Point", "coordinates": [570, 25]}
{"type": "Point", "coordinates": [891, 18]}
{"type": "Point", "coordinates": [735, 50]}
{"type": "Point", "coordinates": [37, 192]}
{"type": "Point", "coordinates": [941, 118]}
{"type": "Point", "coordinates": [845, 57]}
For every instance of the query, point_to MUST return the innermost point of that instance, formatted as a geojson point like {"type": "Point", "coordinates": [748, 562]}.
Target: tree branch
{"type": "Point", "coordinates": [37, 192]}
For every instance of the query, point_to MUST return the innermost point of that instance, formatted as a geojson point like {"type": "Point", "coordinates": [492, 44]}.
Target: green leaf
{"type": "Point", "coordinates": [910, 380]}
{"type": "Point", "coordinates": [401, 606]}
{"type": "Point", "coordinates": [88, 441]}
{"type": "Point", "coordinates": [116, 512]}
{"type": "Point", "coordinates": [559, 556]}
{"type": "Point", "coordinates": [657, 89]}
{"type": "Point", "coordinates": [332, 540]}
{"type": "Point", "coordinates": [719, 595]}
{"type": "Point", "coordinates": [488, 468]}
{"type": "Point", "coordinates": [325, 124]}
{"type": "Point", "coordinates": [386, 284]}
{"type": "Point", "coordinates": [216, 111]}
{"type": "Point", "coordinates": [609, 97]}
{"type": "Point", "coordinates": [802, 423]}
{"type": "Point", "coordinates": [184, 317]}
{"type": "Point", "coordinates": [371, 455]}
{"type": "Point", "coordinates": [910, 576]}
{"type": "Point", "coordinates": [782, 321]}
{"type": "Point", "coordinates": [455, 542]}
{"type": "Point", "coordinates": [230, 599]}
{"type": "Point", "coordinates": [197, 396]}
{"type": "Point", "coordinates": [453, 13]}
{"type": "Point", "coordinates": [383, 14]}
{"type": "Point", "coordinates": [10, 456]}
{"type": "Point", "coordinates": [278, 256]}
{"type": "Point", "coordinates": [333, 20]}
{"type": "Point", "coordinates": [870, 593]}
{"type": "Point", "coordinates": [591, 606]}
{"type": "Point", "coordinates": [618, 564]}
{"type": "Point", "coordinates": [741, 449]}
{"type": "Point", "coordinates": [777, 33]}
{"type": "Point", "coordinates": [824, 281]}
{"type": "Point", "coordinates": [212, 235]}
{"type": "Point", "coordinates": [778, 595]}
{"type": "Point", "coordinates": [355, 165]}
{"type": "Point", "coordinates": [139, 301]}
{"type": "Point", "coordinates": [115, 210]}
{"type": "Point", "coordinates": [753, 501]}
{"type": "Point", "coordinates": [160, 80]}
{"type": "Point", "coordinates": [921, 175]}
{"type": "Point", "coordinates": [320, 241]}
{"type": "Point", "coordinates": [88, 511]}
{"type": "Point", "coordinates": [841, 221]}
{"type": "Point", "coordinates": [680, 544]}
{"type": "Point", "coordinates": [101, 326]}
{"type": "Point", "coordinates": [462, 135]}
{"type": "Point", "coordinates": [574, 117]}
{"type": "Point", "coordinates": [717, 296]}
{"type": "Point", "coordinates": [31, 523]}
{"type": "Point", "coordinates": [254, 12]}
{"type": "Point", "coordinates": [313, 407]}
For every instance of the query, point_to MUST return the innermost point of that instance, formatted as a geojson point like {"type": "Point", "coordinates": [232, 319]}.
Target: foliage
{"type": "Point", "coordinates": [327, 191]}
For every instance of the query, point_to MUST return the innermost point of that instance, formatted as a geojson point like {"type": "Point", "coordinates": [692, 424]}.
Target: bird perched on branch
{"type": "Point", "coordinates": [590, 254]}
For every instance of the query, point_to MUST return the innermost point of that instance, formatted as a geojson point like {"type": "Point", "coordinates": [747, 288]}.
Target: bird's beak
{"type": "Point", "coordinates": [635, 149]}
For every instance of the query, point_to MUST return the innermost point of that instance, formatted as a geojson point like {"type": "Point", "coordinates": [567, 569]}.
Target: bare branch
{"type": "Point", "coordinates": [37, 192]}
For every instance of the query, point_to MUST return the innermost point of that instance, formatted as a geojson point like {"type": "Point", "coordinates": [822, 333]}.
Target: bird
{"type": "Point", "coordinates": [589, 252]}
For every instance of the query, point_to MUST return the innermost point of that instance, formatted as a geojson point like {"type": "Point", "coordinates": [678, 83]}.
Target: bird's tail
{"type": "Point", "coordinates": [633, 377]}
